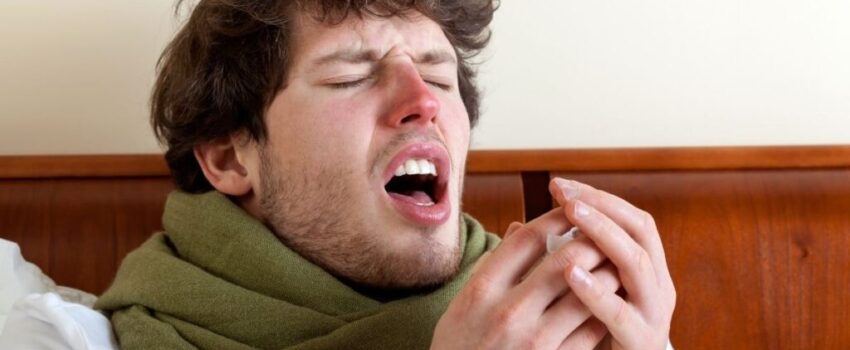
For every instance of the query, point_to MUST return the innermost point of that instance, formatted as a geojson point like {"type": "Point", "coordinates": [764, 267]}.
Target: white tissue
{"type": "Point", "coordinates": [555, 242]}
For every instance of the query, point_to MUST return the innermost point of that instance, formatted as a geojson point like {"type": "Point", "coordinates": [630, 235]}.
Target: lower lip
{"type": "Point", "coordinates": [432, 215]}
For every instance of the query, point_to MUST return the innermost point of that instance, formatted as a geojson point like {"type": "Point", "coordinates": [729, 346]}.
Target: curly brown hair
{"type": "Point", "coordinates": [223, 68]}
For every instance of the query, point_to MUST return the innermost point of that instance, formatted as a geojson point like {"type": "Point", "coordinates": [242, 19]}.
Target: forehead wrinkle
{"type": "Point", "coordinates": [373, 55]}
{"type": "Point", "coordinates": [349, 55]}
{"type": "Point", "coordinates": [435, 57]}
{"type": "Point", "coordinates": [370, 43]}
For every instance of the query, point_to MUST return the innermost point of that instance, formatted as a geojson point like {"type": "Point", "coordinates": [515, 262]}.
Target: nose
{"type": "Point", "coordinates": [411, 101]}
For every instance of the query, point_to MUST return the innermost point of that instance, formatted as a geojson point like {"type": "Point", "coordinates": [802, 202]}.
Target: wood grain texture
{"type": "Point", "coordinates": [495, 200]}
{"type": "Point", "coordinates": [83, 235]}
{"type": "Point", "coordinates": [673, 158]}
{"type": "Point", "coordinates": [487, 161]}
{"type": "Point", "coordinates": [86, 166]}
{"type": "Point", "coordinates": [23, 218]}
{"type": "Point", "coordinates": [78, 230]}
{"type": "Point", "coordinates": [138, 212]}
{"type": "Point", "coordinates": [761, 259]}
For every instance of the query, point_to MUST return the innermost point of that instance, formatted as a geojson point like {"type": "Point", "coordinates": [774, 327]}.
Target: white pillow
{"type": "Point", "coordinates": [37, 314]}
{"type": "Point", "coordinates": [18, 278]}
{"type": "Point", "coordinates": [45, 321]}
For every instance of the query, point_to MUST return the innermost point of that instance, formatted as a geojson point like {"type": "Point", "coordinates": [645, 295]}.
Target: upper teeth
{"type": "Point", "coordinates": [416, 167]}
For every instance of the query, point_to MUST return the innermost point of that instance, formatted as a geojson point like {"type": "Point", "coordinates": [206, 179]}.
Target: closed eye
{"type": "Point", "coordinates": [440, 81]}
{"type": "Point", "coordinates": [357, 82]}
{"type": "Point", "coordinates": [440, 86]}
{"type": "Point", "coordinates": [347, 84]}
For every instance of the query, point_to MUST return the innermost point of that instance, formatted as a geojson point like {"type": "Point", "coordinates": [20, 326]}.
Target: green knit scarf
{"type": "Point", "coordinates": [219, 279]}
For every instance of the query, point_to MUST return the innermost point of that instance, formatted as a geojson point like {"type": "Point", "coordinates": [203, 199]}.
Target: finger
{"type": "Point", "coordinates": [587, 336]}
{"type": "Point", "coordinates": [519, 252]}
{"type": "Point", "coordinates": [511, 228]}
{"type": "Point", "coordinates": [633, 219]}
{"type": "Point", "coordinates": [638, 223]}
{"type": "Point", "coordinates": [545, 282]}
{"type": "Point", "coordinates": [564, 191]}
{"type": "Point", "coordinates": [620, 317]}
{"type": "Point", "coordinates": [568, 312]}
{"type": "Point", "coordinates": [631, 260]}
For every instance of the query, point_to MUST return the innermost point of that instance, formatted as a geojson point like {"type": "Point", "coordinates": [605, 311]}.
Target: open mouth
{"type": "Point", "coordinates": [416, 182]}
{"type": "Point", "coordinates": [415, 179]}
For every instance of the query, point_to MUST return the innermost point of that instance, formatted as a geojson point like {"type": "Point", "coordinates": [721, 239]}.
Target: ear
{"type": "Point", "coordinates": [225, 166]}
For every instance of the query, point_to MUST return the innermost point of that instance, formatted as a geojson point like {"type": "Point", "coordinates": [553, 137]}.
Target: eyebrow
{"type": "Point", "coordinates": [432, 57]}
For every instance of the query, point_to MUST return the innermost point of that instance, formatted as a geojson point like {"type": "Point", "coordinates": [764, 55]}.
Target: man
{"type": "Point", "coordinates": [320, 150]}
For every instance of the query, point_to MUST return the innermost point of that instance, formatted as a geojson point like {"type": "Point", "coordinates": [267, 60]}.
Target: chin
{"type": "Point", "coordinates": [419, 257]}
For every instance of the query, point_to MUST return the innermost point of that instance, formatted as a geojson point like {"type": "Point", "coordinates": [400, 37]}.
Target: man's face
{"type": "Point", "coordinates": [363, 166]}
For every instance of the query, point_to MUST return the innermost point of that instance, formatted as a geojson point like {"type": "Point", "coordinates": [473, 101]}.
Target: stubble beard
{"type": "Point", "coordinates": [319, 220]}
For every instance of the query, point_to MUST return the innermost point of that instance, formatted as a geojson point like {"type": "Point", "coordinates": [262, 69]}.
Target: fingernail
{"type": "Point", "coordinates": [582, 210]}
{"type": "Point", "coordinates": [580, 276]}
{"type": "Point", "coordinates": [568, 189]}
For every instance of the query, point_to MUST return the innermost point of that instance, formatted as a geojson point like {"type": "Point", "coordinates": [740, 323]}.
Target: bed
{"type": "Point", "coordinates": [757, 238]}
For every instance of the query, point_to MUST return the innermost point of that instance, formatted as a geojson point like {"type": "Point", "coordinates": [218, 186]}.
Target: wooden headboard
{"type": "Point", "coordinates": [757, 239]}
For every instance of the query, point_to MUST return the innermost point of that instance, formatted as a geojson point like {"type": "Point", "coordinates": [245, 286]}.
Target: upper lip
{"type": "Point", "coordinates": [429, 151]}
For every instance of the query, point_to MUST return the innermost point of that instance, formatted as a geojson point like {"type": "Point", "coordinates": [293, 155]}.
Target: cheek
{"type": "Point", "coordinates": [327, 126]}
{"type": "Point", "coordinates": [456, 128]}
{"type": "Point", "coordinates": [345, 126]}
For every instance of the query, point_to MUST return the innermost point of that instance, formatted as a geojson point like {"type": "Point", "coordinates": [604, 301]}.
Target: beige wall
{"type": "Point", "coordinates": [668, 73]}
{"type": "Point", "coordinates": [75, 75]}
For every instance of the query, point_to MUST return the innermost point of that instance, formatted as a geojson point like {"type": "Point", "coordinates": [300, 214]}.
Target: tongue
{"type": "Point", "coordinates": [421, 197]}
{"type": "Point", "coordinates": [414, 197]}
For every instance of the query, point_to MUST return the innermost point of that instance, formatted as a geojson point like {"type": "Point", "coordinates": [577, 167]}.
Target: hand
{"type": "Point", "coordinates": [515, 300]}
{"type": "Point", "coordinates": [629, 239]}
